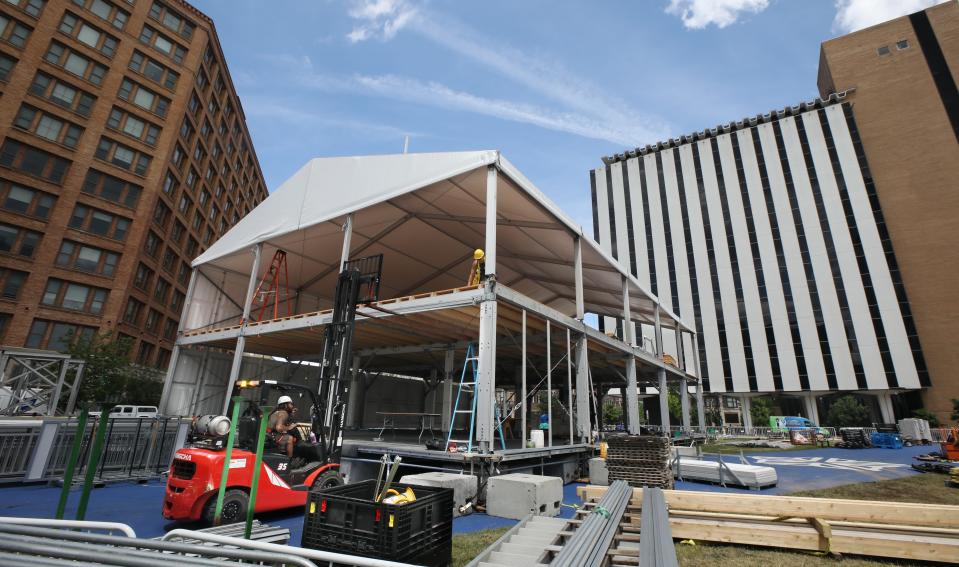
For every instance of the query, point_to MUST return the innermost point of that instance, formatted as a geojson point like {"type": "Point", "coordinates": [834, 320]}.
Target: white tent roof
{"type": "Point", "coordinates": [426, 213]}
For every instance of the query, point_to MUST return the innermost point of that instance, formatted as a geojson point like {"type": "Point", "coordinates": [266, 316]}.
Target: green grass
{"type": "Point", "coordinates": [729, 449]}
{"type": "Point", "coordinates": [468, 546]}
{"type": "Point", "coordinates": [923, 488]}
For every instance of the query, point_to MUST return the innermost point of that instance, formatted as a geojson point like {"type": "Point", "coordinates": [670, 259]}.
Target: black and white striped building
{"type": "Point", "coordinates": [767, 235]}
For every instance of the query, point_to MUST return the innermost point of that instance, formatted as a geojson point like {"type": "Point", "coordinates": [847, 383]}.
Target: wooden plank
{"type": "Point", "coordinates": [829, 509]}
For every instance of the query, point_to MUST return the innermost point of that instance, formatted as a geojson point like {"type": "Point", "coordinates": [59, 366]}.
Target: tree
{"type": "Point", "coordinates": [923, 413]}
{"type": "Point", "coordinates": [848, 411]}
{"type": "Point", "coordinates": [760, 410]}
{"type": "Point", "coordinates": [675, 406]}
{"type": "Point", "coordinates": [109, 376]}
{"type": "Point", "coordinates": [612, 413]}
{"type": "Point", "coordinates": [713, 417]}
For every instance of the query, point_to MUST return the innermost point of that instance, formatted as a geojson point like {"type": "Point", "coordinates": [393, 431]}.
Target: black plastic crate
{"type": "Point", "coordinates": [345, 519]}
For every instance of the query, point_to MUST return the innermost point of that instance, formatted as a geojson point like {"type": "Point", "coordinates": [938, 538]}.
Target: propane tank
{"type": "Point", "coordinates": [212, 425]}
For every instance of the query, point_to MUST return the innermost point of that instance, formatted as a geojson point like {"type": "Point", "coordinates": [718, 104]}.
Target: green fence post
{"type": "Point", "coordinates": [72, 463]}
{"type": "Point", "coordinates": [94, 461]}
{"type": "Point", "coordinates": [261, 437]}
{"type": "Point", "coordinates": [218, 511]}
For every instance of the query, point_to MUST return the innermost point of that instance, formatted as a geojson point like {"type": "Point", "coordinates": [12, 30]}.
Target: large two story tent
{"type": "Point", "coordinates": [426, 214]}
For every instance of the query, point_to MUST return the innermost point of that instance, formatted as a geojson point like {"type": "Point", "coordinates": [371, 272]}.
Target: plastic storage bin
{"type": "Point", "coordinates": [345, 519]}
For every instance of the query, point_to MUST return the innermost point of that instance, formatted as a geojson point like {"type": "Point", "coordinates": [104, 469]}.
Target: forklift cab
{"type": "Point", "coordinates": [266, 393]}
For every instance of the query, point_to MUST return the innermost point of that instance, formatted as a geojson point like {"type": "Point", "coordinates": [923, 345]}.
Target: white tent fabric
{"type": "Point", "coordinates": [326, 188]}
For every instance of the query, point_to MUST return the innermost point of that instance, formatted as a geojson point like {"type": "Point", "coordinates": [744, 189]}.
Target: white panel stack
{"type": "Point", "coordinates": [709, 471]}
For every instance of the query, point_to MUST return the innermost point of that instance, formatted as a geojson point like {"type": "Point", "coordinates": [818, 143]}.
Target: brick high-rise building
{"type": "Point", "coordinates": [124, 153]}
{"type": "Point", "coordinates": [903, 75]}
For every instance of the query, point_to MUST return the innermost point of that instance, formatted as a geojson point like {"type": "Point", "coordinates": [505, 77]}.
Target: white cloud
{"type": "Point", "coordinates": [379, 19]}
{"type": "Point", "coordinates": [852, 15]}
{"type": "Point", "coordinates": [698, 14]}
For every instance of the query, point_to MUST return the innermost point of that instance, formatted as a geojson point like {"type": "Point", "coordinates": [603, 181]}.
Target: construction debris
{"type": "Point", "coordinates": [640, 460]}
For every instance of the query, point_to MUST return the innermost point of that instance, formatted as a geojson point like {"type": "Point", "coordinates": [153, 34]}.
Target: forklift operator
{"type": "Point", "coordinates": [281, 425]}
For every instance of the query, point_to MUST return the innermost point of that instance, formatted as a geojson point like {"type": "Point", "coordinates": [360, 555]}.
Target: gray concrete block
{"type": "Point", "coordinates": [464, 485]}
{"type": "Point", "coordinates": [517, 495]}
{"type": "Point", "coordinates": [684, 451]}
{"type": "Point", "coordinates": [598, 473]}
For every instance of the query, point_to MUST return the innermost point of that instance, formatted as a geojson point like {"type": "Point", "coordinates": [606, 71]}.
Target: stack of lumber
{"type": "Point", "coordinates": [853, 438]}
{"type": "Point", "coordinates": [753, 476]}
{"type": "Point", "coordinates": [640, 460]}
{"type": "Point", "coordinates": [917, 532]}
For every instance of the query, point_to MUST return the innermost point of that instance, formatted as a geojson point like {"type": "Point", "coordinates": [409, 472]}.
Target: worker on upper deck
{"type": "Point", "coordinates": [478, 268]}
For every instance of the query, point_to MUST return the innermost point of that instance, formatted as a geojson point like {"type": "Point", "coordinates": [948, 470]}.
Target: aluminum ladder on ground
{"type": "Point", "coordinates": [470, 388]}
{"type": "Point", "coordinates": [524, 545]}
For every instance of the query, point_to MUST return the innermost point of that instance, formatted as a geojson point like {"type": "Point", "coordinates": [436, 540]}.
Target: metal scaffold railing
{"type": "Point", "coordinates": [34, 382]}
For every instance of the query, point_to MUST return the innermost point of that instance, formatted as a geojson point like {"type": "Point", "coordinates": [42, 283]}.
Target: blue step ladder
{"type": "Point", "coordinates": [472, 360]}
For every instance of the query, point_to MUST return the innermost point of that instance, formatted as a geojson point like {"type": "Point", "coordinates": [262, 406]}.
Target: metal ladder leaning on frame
{"type": "Point", "coordinates": [470, 388]}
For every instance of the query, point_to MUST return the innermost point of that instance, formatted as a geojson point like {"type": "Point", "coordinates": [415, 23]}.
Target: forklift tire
{"type": "Point", "coordinates": [235, 503]}
{"type": "Point", "coordinates": [327, 479]}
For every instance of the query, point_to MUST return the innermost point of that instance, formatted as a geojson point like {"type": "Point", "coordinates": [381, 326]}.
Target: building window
{"type": "Point", "coordinates": [33, 161]}
{"type": "Point", "coordinates": [25, 201]}
{"type": "Point", "coordinates": [74, 296]}
{"type": "Point", "coordinates": [152, 244]}
{"type": "Point", "coordinates": [7, 64]}
{"type": "Point", "coordinates": [902, 44]}
{"type": "Point", "coordinates": [191, 246]}
{"type": "Point", "coordinates": [143, 277]}
{"type": "Point", "coordinates": [32, 7]}
{"type": "Point", "coordinates": [153, 320]}
{"type": "Point", "coordinates": [111, 188]}
{"type": "Point", "coordinates": [176, 234]}
{"type": "Point", "coordinates": [18, 241]}
{"type": "Point", "coordinates": [91, 36]}
{"type": "Point", "coordinates": [60, 55]}
{"type": "Point", "coordinates": [169, 260]}
{"type": "Point", "coordinates": [106, 11]}
{"type": "Point", "coordinates": [62, 94]}
{"type": "Point", "coordinates": [202, 80]}
{"type": "Point", "coordinates": [170, 328]}
{"type": "Point", "coordinates": [198, 152]}
{"type": "Point", "coordinates": [143, 97]}
{"type": "Point", "coordinates": [169, 184]}
{"type": "Point", "coordinates": [56, 336]}
{"type": "Point", "coordinates": [197, 220]}
{"type": "Point", "coordinates": [11, 282]}
{"type": "Point", "coordinates": [884, 50]}
{"type": "Point", "coordinates": [133, 127]}
{"type": "Point", "coordinates": [172, 20]}
{"type": "Point", "coordinates": [161, 215]}
{"type": "Point", "coordinates": [123, 156]}
{"type": "Point", "coordinates": [150, 36]}
{"type": "Point", "coordinates": [162, 361]}
{"type": "Point", "coordinates": [77, 256]}
{"type": "Point", "coordinates": [183, 276]}
{"type": "Point", "coordinates": [48, 126]}
{"type": "Point", "coordinates": [13, 32]}
{"type": "Point", "coordinates": [154, 70]}
{"type": "Point", "coordinates": [99, 222]}
{"type": "Point", "coordinates": [161, 291]}
{"type": "Point", "coordinates": [185, 204]}
{"type": "Point", "coordinates": [144, 353]}
{"type": "Point", "coordinates": [4, 324]}
{"type": "Point", "coordinates": [177, 302]}
{"type": "Point", "coordinates": [131, 314]}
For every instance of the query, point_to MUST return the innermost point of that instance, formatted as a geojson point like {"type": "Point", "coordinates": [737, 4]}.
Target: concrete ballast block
{"type": "Point", "coordinates": [464, 485]}
{"type": "Point", "coordinates": [598, 473]}
{"type": "Point", "coordinates": [517, 495]}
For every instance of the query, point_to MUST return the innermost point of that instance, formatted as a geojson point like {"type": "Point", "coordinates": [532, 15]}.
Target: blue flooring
{"type": "Point", "coordinates": [139, 504]}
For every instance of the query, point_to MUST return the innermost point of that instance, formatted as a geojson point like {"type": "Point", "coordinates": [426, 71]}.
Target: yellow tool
{"type": "Point", "coordinates": [398, 498]}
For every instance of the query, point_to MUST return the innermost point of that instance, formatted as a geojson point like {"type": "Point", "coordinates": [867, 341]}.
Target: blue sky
{"type": "Point", "coordinates": [554, 85]}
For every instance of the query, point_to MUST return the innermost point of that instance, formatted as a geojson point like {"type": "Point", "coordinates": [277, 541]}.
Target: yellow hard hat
{"type": "Point", "coordinates": [478, 254]}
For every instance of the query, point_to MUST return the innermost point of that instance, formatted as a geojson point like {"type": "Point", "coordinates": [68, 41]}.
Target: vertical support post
{"type": "Point", "coordinates": [175, 355]}
{"type": "Point", "coordinates": [227, 457]}
{"type": "Point", "coordinates": [486, 383]}
{"type": "Point", "coordinates": [661, 372]}
{"type": "Point", "coordinates": [525, 407]}
{"type": "Point", "coordinates": [94, 462]}
{"type": "Point", "coordinates": [886, 409]}
{"type": "Point", "coordinates": [347, 238]}
{"type": "Point", "coordinates": [745, 405]}
{"type": "Point", "coordinates": [257, 466]}
{"type": "Point", "coordinates": [356, 394]}
{"type": "Point", "coordinates": [578, 277]}
{"type": "Point", "coordinates": [627, 314]}
{"type": "Point", "coordinates": [631, 394]}
{"type": "Point", "coordinates": [75, 386]}
{"type": "Point", "coordinates": [72, 463]}
{"type": "Point", "coordinates": [582, 390]}
{"type": "Point", "coordinates": [55, 398]}
{"type": "Point", "coordinates": [491, 189]}
{"type": "Point", "coordinates": [812, 410]}
{"type": "Point", "coordinates": [549, 384]}
{"type": "Point", "coordinates": [241, 340]}
{"type": "Point", "coordinates": [569, 386]}
{"type": "Point", "coordinates": [700, 405]}
{"type": "Point", "coordinates": [447, 409]}
{"type": "Point", "coordinates": [684, 401]}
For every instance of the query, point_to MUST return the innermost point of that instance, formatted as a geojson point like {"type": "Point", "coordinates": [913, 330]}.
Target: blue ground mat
{"type": "Point", "coordinates": [139, 504]}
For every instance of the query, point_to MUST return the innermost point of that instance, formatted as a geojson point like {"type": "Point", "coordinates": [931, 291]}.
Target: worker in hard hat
{"type": "Point", "coordinates": [281, 425]}
{"type": "Point", "coordinates": [478, 269]}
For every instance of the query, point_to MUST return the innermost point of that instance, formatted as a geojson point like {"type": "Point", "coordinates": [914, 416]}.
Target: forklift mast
{"type": "Point", "coordinates": [359, 282]}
